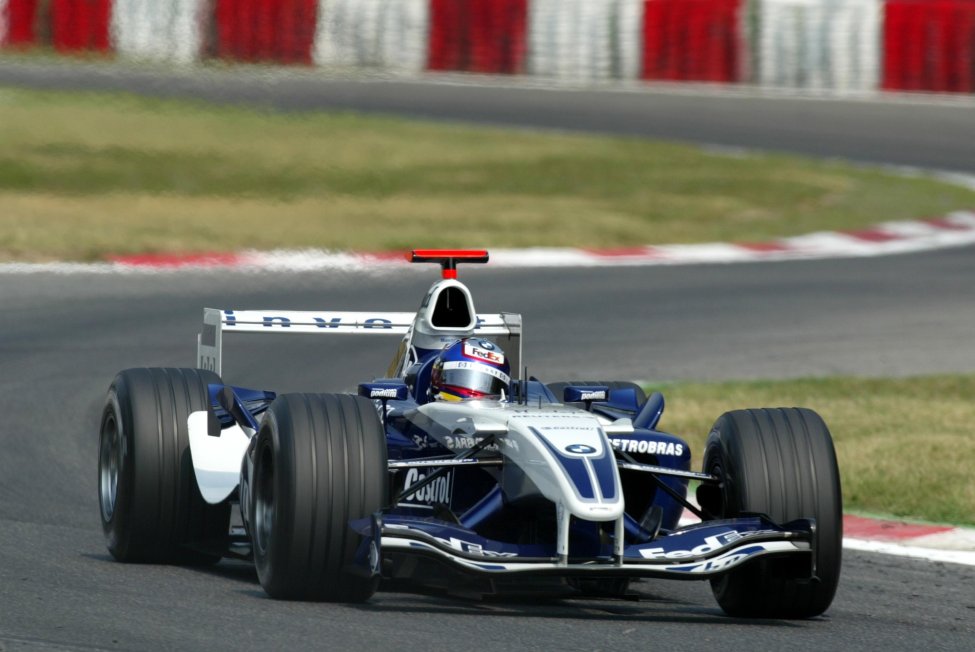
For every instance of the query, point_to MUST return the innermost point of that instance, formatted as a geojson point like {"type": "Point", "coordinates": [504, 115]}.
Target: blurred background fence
{"type": "Point", "coordinates": [827, 45]}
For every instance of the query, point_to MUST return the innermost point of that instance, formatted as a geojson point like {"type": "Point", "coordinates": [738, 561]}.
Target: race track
{"type": "Point", "coordinates": [62, 338]}
{"type": "Point", "coordinates": [924, 132]}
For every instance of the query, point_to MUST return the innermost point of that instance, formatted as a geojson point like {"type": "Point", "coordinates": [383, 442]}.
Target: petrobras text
{"type": "Point", "coordinates": [648, 446]}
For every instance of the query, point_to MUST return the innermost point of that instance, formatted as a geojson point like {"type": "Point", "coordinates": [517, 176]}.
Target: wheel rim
{"type": "Point", "coordinates": [108, 466]}
{"type": "Point", "coordinates": [263, 501]}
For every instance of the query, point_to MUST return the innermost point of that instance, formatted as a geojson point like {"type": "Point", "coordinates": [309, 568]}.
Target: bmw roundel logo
{"type": "Point", "coordinates": [580, 449]}
{"type": "Point", "coordinates": [487, 345]}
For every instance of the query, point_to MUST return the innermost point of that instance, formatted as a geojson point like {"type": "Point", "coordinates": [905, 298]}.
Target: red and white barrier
{"type": "Point", "coordinates": [583, 40]}
{"type": "Point", "coordinates": [846, 46]}
{"type": "Point", "coordinates": [159, 31]}
{"type": "Point", "coordinates": [17, 23]}
{"type": "Point", "coordinates": [80, 25]}
{"type": "Point", "coordinates": [278, 31]}
{"type": "Point", "coordinates": [693, 40]}
{"type": "Point", "coordinates": [4, 22]}
{"type": "Point", "coordinates": [929, 45]}
{"type": "Point", "coordinates": [486, 36]}
{"type": "Point", "coordinates": [818, 44]}
{"type": "Point", "coordinates": [387, 34]}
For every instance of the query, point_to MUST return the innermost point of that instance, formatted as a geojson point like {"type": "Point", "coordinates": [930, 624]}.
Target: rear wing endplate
{"type": "Point", "coordinates": [217, 322]}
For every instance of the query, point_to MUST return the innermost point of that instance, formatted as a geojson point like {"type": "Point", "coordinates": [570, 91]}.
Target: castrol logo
{"type": "Point", "coordinates": [438, 491]}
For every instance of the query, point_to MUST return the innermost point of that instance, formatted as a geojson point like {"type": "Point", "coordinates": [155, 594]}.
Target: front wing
{"type": "Point", "coordinates": [699, 551]}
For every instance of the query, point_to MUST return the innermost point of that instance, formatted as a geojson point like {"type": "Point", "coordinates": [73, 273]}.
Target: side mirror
{"type": "Point", "coordinates": [385, 391]}
{"type": "Point", "coordinates": [587, 395]}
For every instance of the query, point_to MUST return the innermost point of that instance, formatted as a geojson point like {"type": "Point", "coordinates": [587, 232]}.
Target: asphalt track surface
{"type": "Point", "coordinates": [925, 132]}
{"type": "Point", "coordinates": [62, 339]}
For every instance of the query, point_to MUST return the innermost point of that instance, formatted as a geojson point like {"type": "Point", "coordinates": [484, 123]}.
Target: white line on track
{"type": "Point", "coordinates": [956, 229]}
{"type": "Point", "coordinates": [966, 557]}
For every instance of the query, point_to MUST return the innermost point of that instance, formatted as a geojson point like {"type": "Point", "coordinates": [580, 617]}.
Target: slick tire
{"type": "Point", "coordinates": [559, 387]}
{"type": "Point", "coordinates": [151, 507]}
{"type": "Point", "coordinates": [779, 462]}
{"type": "Point", "coordinates": [319, 463]}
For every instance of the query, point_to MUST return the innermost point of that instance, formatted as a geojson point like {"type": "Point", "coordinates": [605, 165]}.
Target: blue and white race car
{"type": "Point", "coordinates": [457, 472]}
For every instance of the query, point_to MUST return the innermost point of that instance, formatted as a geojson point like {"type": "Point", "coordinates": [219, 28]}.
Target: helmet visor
{"type": "Point", "coordinates": [479, 380]}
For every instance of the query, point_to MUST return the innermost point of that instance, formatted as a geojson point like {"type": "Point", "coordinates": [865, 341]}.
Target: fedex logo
{"type": "Point", "coordinates": [711, 544]}
{"type": "Point", "coordinates": [484, 352]}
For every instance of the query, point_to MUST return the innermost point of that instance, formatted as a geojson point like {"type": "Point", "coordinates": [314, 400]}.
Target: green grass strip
{"type": "Point", "coordinates": [85, 174]}
{"type": "Point", "coordinates": [905, 446]}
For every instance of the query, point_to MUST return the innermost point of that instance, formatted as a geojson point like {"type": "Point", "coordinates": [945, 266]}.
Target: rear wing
{"type": "Point", "coordinates": [217, 322]}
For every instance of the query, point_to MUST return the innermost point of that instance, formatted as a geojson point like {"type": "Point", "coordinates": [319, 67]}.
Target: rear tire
{"type": "Point", "coordinates": [779, 462]}
{"type": "Point", "coordinates": [151, 507]}
{"type": "Point", "coordinates": [319, 462]}
{"type": "Point", "coordinates": [559, 387]}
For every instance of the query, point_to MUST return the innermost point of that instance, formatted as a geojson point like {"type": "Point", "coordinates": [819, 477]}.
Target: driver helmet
{"type": "Point", "coordinates": [470, 368]}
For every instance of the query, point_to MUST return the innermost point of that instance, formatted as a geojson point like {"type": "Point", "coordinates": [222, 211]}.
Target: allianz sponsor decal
{"type": "Point", "coordinates": [649, 446]}
{"type": "Point", "coordinates": [438, 491]}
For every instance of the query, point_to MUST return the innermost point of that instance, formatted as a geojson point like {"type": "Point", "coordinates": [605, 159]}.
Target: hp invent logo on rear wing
{"type": "Point", "coordinates": [231, 319]}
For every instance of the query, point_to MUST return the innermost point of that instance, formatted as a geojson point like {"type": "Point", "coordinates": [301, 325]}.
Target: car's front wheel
{"type": "Point", "coordinates": [319, 463]}
{"type": "Point", "coordinates": [779, 462]}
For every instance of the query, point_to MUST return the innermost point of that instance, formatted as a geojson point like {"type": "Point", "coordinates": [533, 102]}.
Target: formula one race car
{"type": "Point", "coordinates": [449, 473]}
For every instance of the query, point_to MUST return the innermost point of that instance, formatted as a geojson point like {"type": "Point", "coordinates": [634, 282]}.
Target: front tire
{"type": "Point", "coordinates": [779, 462]}
{"type": "Point", "coordinates": [151, 507]}
{"type": "Point", "coordinates": [319, 463]}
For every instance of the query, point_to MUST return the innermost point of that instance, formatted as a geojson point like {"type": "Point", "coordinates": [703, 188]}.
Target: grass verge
{"type": "Point", "coordinates": [85, 174]}
{"type": "Point", "coordinates": [905, 446]}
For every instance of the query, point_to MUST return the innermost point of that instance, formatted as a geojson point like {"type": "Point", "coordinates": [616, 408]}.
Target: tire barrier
{"type": "Point", "coordinates": [387, 34]}
{"type": "Point", "coordinates": [486, 36]}
{"type": "Point", "coordinates": [929, 46]}
{"type": "Point", "coordinates": [838, 46]}
{"type": "Point", "coordinates": [584, 40]}
{"type": "Point", "coordinates": [17, 27]}
{"type": "Point", "coordinates": [80, 25]}
{"type": "Point", "coordinates": [692, 40]}
{"type": "Point", "coordinates": [280, 31]}
{"type": "Point", "coordinates": [818, 44]}
{"type": "Point", "coordinates": [159, 31]}
{"type": "Point", "coordinates": [4, 22]}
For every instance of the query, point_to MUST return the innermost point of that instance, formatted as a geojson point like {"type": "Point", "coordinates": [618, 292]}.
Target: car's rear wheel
{"type": "Point", "coordinates": [319, 463]}
{"type": "Point", "coordinates": [151, 507]}
{"type": "Point", "coordinates": [779, 462]}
